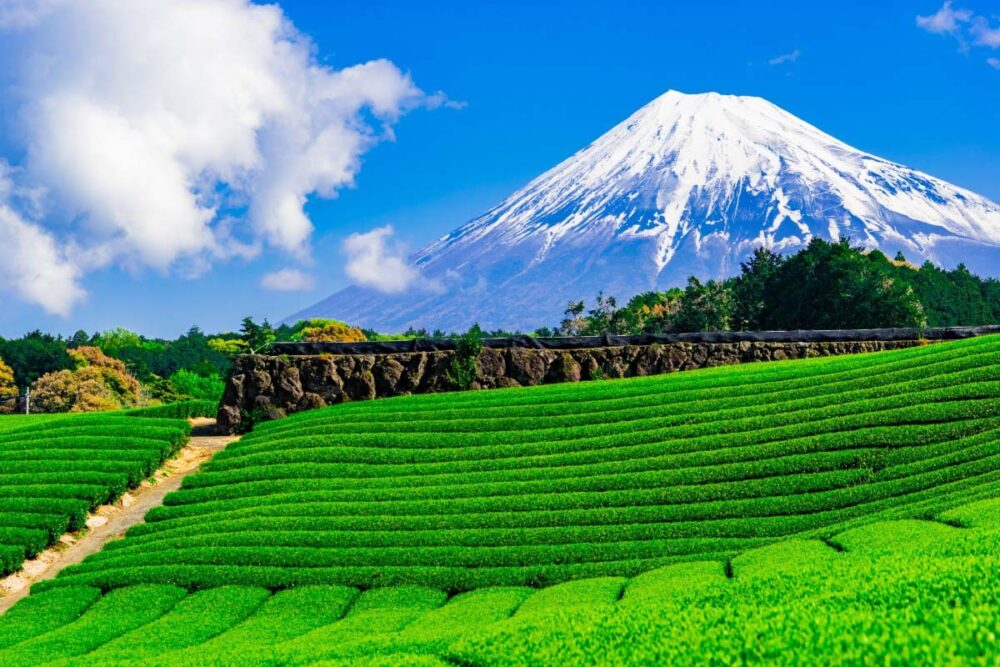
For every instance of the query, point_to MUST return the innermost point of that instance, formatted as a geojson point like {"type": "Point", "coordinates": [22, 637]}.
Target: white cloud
{"type": "Point", "coordinates": [946, 20]}
{"type": "Point", "coordinates": [965, 26]}
{"type": "Point", "coordinates": [439, 99]}
{"type": "Point", "coordinates": [287, 280]}
{"type": "Point", "coordinates": [374, 261]}
{"type": "Point", "coordinates": [174, 133]}
{"type": "Point", "coordinates": [785, 58]}
{"type": "Point", "coordinates": [985, 34]}
{"type": "Point", "coordinates": [993, 62]}
{"type": "Point", "coordinates": [32, 265]}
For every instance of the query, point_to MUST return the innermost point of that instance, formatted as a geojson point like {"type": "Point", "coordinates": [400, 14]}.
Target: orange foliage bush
{"type": "Point", "coordinates": [332, 332]}
{"type": "Point", "coordinates": [88, 355]}
{"type": "Point", "coordinates": [98, 383]}
{"type": "Point", "coordinates": [8, 390]}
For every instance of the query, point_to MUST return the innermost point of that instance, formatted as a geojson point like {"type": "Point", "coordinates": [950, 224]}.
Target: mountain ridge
{"type": "Point", "coordinates": [687, 185]}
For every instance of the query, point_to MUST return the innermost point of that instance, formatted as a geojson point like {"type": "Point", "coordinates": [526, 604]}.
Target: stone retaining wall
{"type": "Point", "coordinates": [270, 387]}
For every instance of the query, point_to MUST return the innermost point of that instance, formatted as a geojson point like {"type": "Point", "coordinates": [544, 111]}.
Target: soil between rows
{"type": "Point", "coordinates": [110, 522]}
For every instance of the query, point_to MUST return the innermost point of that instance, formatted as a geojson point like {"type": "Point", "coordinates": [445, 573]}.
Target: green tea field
{"type": "Point", "coordinates": [837, 510]}
{"type": "Point", "coordinates": [900, 593]}
{"type": "Point", "coordinates": [56, 468]}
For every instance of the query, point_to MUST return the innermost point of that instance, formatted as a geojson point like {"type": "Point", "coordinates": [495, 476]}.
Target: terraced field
{"type": "Point", "coordinates": [836, 507]}
{"type": "Point", "coordinates": [55, 469]}
{"type": "Point", "coordinates": [900, 592]}
{"type": "Point", "coordinates": [541, 485]}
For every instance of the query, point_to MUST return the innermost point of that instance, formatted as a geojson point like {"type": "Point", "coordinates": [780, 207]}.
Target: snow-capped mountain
{"type": "Point", "coordinates": [688, 185]}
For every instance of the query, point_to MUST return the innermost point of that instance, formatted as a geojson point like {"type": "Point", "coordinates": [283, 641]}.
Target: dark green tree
{"type": "Point", "coordinates": [573, 322]}
{"type": "Point", "coordinates": [705, 307]}
{"type": "Point", "coordinates": [652, 312]}
{"type": "Point", "coordinates": [33, 355]}
{"type": "Point", "coordinates": [79, 339]}
{"type": "Point", "coordinates": [604, 317]}
{"type": "Point", "coordinates": [256, 336]}
{"type": "Point", "coordinates": [835, 286]}
{"type": "Point", "coordinates": [751, 288]}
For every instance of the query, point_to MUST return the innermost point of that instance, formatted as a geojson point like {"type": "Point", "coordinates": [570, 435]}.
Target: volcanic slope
{"type": "Point", "coordinates": [536, 486]}
{"type": "Point", "coordinates": [687, 185]}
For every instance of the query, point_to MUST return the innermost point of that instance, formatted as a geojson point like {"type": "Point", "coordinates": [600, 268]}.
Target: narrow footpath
{"type": "Point", "coordinates": [109, 522]}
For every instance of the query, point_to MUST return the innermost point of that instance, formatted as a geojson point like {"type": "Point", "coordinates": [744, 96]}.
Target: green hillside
{"type": "Point", "coordinates": [541, 485]}
{"type": "Point", "coordinates": [839, 509]}
{"type": "Point", "coordinates": [55, 469]}
{"type": "Point", "coordinates": [895, 593]}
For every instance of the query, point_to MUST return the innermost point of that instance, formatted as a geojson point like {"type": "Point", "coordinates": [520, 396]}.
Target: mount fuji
{"type": "Point", "coordinates": [688, 185]}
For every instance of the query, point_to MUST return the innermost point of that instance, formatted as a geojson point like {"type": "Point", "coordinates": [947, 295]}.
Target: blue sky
{"type": "Point", "coordinates": [539, 81]}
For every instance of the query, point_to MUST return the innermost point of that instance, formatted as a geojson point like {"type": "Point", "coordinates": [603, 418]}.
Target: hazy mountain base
{"type": "Point", "coordinates": [518, 303]}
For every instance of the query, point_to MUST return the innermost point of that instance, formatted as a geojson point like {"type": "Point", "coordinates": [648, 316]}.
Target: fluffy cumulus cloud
{"type": "Point", "coordinates": [375, 260]}
{"type": "Point", "coordinates": [32, 263]}
{"type": "Point", "coordinates": [171, 134]}
{"type": "Point", "coordinates": [287, 280]}
{"type": "Point", "coordinates": [969, 28]}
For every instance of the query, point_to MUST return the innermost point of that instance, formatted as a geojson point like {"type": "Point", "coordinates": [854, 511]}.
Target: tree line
{"type": "Point", "coordinates": [119, 368]}
{"type": "Point", "coordinates": [826, 285]}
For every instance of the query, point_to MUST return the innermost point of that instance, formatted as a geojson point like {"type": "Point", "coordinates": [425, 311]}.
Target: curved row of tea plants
{"type": "Point", "coordinates": [541, 485]}
{"type": "Point", "coordinates": [53, 471]}
{"type": "Point", "coordinates": [178, 410]}
{"type": "Point", "coordinates": [897, 592]}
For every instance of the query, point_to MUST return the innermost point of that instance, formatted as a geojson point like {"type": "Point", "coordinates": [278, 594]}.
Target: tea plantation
{"type": "Point", "coordinates": [832, 510]}
{"type": "Point", "coordinates": [55, 469]}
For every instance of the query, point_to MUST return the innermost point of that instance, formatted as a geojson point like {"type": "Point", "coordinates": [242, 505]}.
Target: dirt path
{"type": "Point", "coordinates": [109, 522]}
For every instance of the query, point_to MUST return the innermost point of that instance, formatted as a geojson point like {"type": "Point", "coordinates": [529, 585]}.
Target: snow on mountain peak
{"type": "Point", "coordinates": [689, 184]}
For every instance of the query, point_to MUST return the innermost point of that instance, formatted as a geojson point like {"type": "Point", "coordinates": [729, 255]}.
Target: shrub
{"type": "Point", "coordinates": [190, 384]}
{"type": "Point", "coordinates": [8, 390]}
{"type": "Point", "coordinates": [98, 383]}
{"type": "Point", "coordinates": [230, 347]}
{"type": "Point", "coordinates": [55, 392]}
{"type": "Point", "coordinates": [463, 372]}
{"type": "Point", "coordinates": [327, 331]}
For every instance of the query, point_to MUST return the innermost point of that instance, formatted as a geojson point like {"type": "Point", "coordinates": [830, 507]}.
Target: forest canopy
{"type": "Point", "coordinates": [827, 285]}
